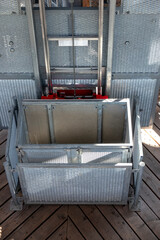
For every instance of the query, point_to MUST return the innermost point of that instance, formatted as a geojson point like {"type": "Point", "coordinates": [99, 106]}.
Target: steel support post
{"type": "Point", "coordinates": [29, 11]}
{"type": "Point", "coordinates": [112, 9]}
{"type": "Point", "coordinates": [100, 45]}
{"type": "Point", "coordinates": [45, 43]}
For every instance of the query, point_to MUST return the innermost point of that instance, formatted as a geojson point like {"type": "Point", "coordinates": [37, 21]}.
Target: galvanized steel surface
{"type": "Point", "coordinates": [141, 6]}
{"type": "Point", "coordinates": [133, 88]}
{"type": "Point", "coordinates": [15, 49]}
{"type": "Point", "coordinates": [8, 7]}
{"type": "Point", "coordinates": [9, 88]}
{"type": "Point", "coordinates": [78, 184]}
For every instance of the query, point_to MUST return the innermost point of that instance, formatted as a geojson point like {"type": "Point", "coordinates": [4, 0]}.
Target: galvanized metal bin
{"type": "Point", "coordinates": [74, 152]}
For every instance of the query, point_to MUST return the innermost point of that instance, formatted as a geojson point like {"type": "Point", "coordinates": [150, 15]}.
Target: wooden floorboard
{"type": "Point", "coordinates": [89, 222]}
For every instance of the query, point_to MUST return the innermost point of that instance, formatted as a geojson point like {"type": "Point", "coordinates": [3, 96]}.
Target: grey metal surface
{"type": "Point", "coordinates": [100, 46]}
{"type": "Point", "coordinates": [45, 40]}
{"type": "Point", "coordinates": [73, 155]}
{"type": "Point", "coordinates": [45, 156]}
{"type": "Point", "coordinates": [8, 7]}
{"type": "Point", "coordinates": [77, 81]}
{"type": "Point", "coordinates": [11, 153]}
{"type": "Point", "coordinates": [85, 24]}
{"type": "Point", "coordinates": [29, 11]}
{"type": "Point", "coordinates": [37, 124]}
{"type": "Point", "coordinates": [137, 149]}
{"type": "Point", "coordinates": [113, 123]}
{"type": "Point", "coordinates": [103, 156]}
{"type": "Point", "coordinates": [75, 123]}
{"type": "Point", "coordinates": [9, 88]}
{"type": "Point", "coordinates": [112, 9]}
{"type": "Point", "coordinates": [141, 6]}
{"type": "Point", "coordinates": [136, 43]}
{"type": "Point", "coordinates": [133, 88]}
{"type": "Point", "coordinates": [46, 183]}
{"type": "Point", "coordinates": [15, 49]}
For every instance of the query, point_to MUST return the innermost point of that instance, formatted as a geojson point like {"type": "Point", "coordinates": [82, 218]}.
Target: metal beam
{"type": "Point", "coordinates": [112, 9]}
{"type": "Point", "coordinates": [29, 11]}
{"type": "Point", "coordinates": [100, 45]}
{"type": "Point", "coordinates": [90, 38]}
{"type": "Point", "coordinates": [45, 43]}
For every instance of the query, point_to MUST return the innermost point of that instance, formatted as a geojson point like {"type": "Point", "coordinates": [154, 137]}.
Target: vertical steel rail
{"type": "Point", "coordinates": [45, 44]}
{"type": "Point", "coordinates": [138, 183]}
{"type": "Point", "coordinates": [112, 9]}
{"type": "Point", "coordinates": [29, 11]}
{"type": "Point", "coordinates": [100, 45]}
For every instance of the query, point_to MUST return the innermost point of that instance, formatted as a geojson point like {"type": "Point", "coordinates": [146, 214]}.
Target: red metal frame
{"type": "Point", "coordinates": [69, 94]}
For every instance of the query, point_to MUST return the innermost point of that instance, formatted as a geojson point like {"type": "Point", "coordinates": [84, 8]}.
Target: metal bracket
{"type": "Point", "coordinates": [134, 207]}
{"type": "Point", "coordinates": [16, 206]}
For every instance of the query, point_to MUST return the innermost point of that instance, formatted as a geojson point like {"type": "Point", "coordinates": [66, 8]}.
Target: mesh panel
{"type": "Point", "coordinates": [133, 88]}
{"type": "Point", "coordinates": [72, 184]}
{"type": "Point", "coordinates": [78, 82]}
{"type": "Point", "coordinates": [141, 6]}
{"type": "Point", "coordinates": [45, 156]}
{"type": "Point", "coordinates": [15, 48]}
{"type": "Point", "coordinates": [136, 44]}
{"type": "Point", "coordinates": [8, 7]}
{"type": "Point", "coordinates": [24, 88]}
{"type": "Point", "coordinates": [85, 24]}
{"type": "Point", "coordinates": [101, 157]}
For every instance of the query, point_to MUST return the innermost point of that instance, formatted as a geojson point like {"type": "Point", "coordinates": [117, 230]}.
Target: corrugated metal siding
{"type": "Point", "coordinates": [141, 6]}
{"type": "Point", "coordinates": [72, 184]}
{"type": "Point", "coordinates": [144, 89]}
{"type": "Point", "coordinates": [21, 89]}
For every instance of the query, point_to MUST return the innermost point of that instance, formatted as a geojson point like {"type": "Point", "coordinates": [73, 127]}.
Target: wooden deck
{"type": "Point", "coordinates": [88, 222]}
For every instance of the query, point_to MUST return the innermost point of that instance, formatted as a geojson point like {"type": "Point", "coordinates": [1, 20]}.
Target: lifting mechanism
{"type": "Point", "coordinates": [76, 142]}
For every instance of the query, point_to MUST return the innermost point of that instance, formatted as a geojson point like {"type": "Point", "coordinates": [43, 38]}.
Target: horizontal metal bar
{"type": "Point", "coordinates": [76, 102]}
{"type": "Point", "coordinates": [90, 38]}
{"type": "Point", "coordinates": [68, 146]}
{"type": "Point", "coordinates": [76, 165]}
{"type": "Point", "coordinates": [82, 203]}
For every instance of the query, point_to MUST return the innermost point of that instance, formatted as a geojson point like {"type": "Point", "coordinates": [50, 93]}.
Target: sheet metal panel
{"type": "Point", "coordinates": [37, 124]}
{"type": "Point", "coordinates": [113, 123]}
{"type": "Point", "coordinates": [75, 123]}
{"type": "Point", "coordinates": [144, 89]}
{"type": "Point", "coordinates": [41, 183]}
{"type": "Point", "coordinates": [9, 88]}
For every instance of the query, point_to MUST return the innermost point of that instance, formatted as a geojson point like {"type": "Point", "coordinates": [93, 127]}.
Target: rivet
{"type": "Point", "coordinates": [11, 43]}
{"type": "Point", "coordinates": [12, 50]}
{"type": "Point", "coordinates": [127, 43]}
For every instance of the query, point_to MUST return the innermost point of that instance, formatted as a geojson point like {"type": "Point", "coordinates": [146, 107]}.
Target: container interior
{"type": "Point", "coordinates": [76, 122]}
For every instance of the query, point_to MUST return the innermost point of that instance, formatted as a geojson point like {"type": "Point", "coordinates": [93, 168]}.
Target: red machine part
{"type": "Point", "coordinates": [69, 94]}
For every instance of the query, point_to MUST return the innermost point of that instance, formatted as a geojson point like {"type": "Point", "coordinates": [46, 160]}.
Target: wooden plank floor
{"type": "Point", "coordinates": [89, 222]}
